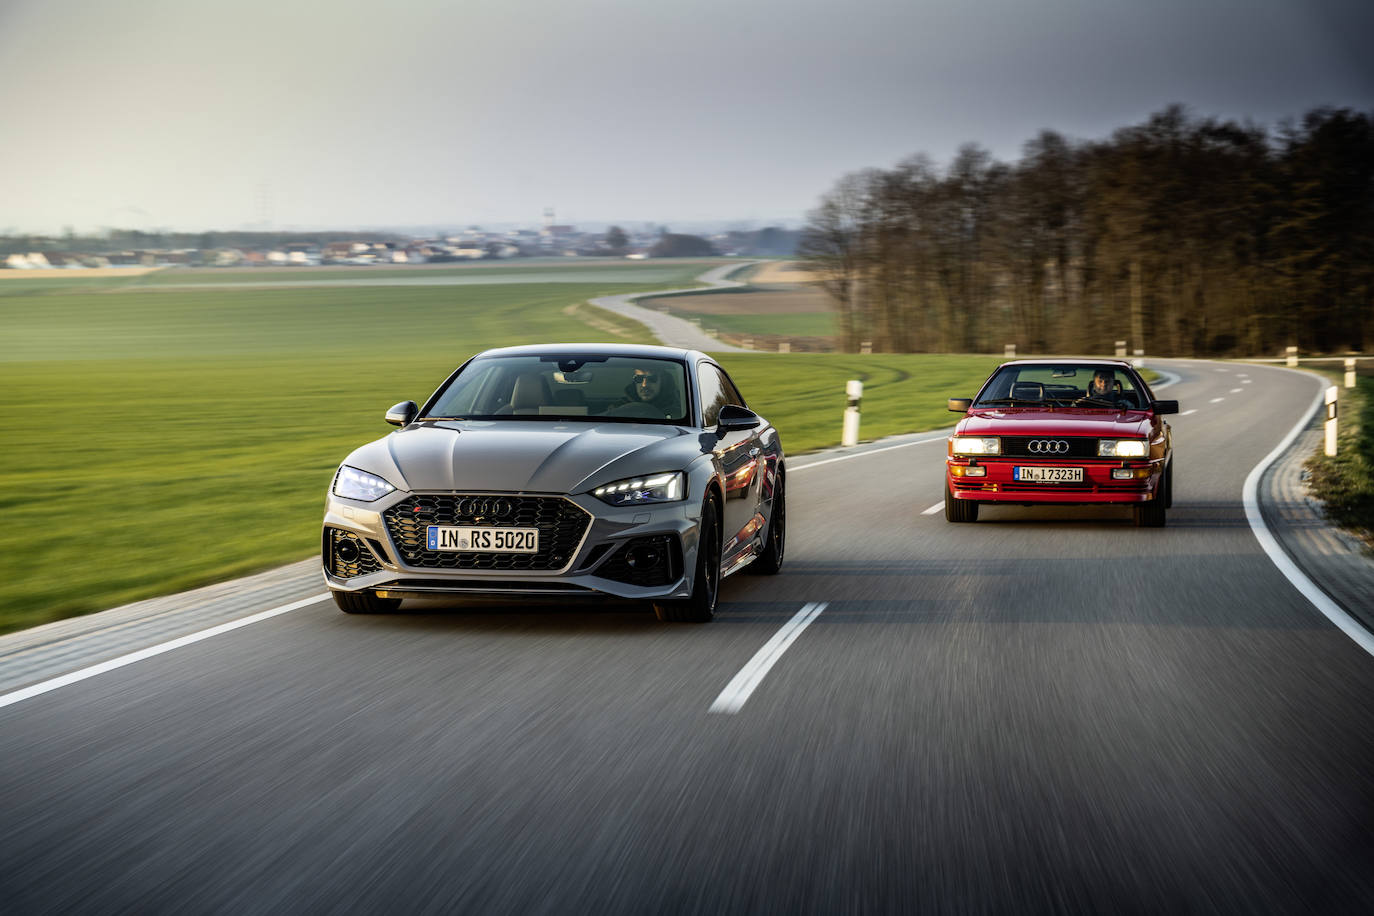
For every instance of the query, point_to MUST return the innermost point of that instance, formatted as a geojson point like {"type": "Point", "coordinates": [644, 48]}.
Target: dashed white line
{"type": "Point", "coordinates": [1215, 400]}
{"type": "Point", "coordinates": [1186, 412]}
{"type": "Point", "coordinates": [123, 660]}
{"type": "Point", "coordinates": [1245, 381]}
{"type": "Point", "coordinates": [1223, 370]}
{"type": "Point", "coordinates": [1237, 390]}
{"type": "Point", "coordinates": [733, 697]}
{"type": "Point", "coordinates": [935, 508]}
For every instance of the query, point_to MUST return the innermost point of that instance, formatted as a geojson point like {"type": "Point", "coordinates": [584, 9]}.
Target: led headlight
{"type": "Point", "coordinates": [969, 445]}
{"type": "Point", "coordinates": [352, 483]}
{"type": "Point", "coordinates": [1122, 448]}
{"type": "Point", "coordinates": [633, 491]}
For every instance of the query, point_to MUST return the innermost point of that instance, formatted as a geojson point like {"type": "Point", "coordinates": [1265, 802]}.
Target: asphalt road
{"type": "Point", "coordinates": [1049, 710]}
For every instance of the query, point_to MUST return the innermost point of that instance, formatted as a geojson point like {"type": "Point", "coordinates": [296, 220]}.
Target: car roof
{"type": "Point", "coordinates": [1073, 361]}
{"type": "Point", "coordinates": [593, 349]}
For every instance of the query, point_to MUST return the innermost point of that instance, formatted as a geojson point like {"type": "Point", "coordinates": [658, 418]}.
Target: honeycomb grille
{"type": "Point", "coordinates": [619, 569]}
{"type": "Point", "coordinates": [365, 562]}
{"type": "Point", "coordinates": [560, 522]}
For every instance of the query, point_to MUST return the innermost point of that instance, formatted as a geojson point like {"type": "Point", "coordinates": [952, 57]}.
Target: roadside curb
{"type": "Point", "coordinates": [1334, 561]}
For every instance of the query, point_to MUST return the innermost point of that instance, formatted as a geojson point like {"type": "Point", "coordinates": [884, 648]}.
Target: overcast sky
{"type": "Point", "coordinates": [187, 114]}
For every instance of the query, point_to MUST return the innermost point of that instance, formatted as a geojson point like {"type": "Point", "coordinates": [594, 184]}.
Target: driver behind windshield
{"type": "Point", "coordinates": [652, 386]}
{"type": "Point", "coordinates": [1102, 387]}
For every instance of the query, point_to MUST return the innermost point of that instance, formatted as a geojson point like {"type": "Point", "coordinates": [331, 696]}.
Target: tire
{"type": "Point", "coordinates": [364, 603]}
{"type": "Point", "coordinates": [1152, 513]}
{"type": "Point", "coordinates": [1169, 485]}
{"type": "Point", "coordinates": [775, 540]}
{"type": "Point", "coordinates": [959, 510]}
{"type": "Point", "coordinates": [701, 606]}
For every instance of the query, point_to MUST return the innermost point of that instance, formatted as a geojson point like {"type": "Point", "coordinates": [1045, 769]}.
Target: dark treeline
{"type": "Point", "coordinates": [1183, 236]}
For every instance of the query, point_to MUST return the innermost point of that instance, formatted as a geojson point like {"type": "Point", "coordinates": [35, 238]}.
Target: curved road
{"type": "Point", "coordinates": [1049, 710]}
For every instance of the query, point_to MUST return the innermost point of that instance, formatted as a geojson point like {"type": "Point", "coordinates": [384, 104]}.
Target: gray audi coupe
{"type": "Point", "coordinates": [557, 470]}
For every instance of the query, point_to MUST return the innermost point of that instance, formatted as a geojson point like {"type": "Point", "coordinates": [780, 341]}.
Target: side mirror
{"type": "Point", "coordinates": [402, 413]}
{"type": "Point", "coordinates": [733, 417]}
{"type": "Point", "coordinates": [1163, 407]}
{"type": "Point", "coordinates": [960, 405]}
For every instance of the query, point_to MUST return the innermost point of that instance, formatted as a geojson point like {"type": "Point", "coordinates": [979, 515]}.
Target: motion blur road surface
{"type": "Point", "coordinates": [1049, 709]}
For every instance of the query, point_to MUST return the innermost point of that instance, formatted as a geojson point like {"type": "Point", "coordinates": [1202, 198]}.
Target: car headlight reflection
{"type": "Point", "coordinates": [351, 483]}
{"type": "Point", "coordinates": [975, 445]}
{"type": "Point", "coordinates": [1122, 448]}
{"type": "Point", "coordinates": [633, 491]}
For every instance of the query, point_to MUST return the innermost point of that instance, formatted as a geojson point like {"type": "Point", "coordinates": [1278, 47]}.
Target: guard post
{"type": "Point", "coordinates": [854, 393]}
{"type": "Point", "coordinates": [1009, 351]}
{"type": "Point", "coordinates": [1121, 349]}
{"type": "Point", "coordinates": [1331, 421]}
{"type": "Point", "coordinates": [1292, 361]}
{"type": "Point", "coordinates": [1350, 372]}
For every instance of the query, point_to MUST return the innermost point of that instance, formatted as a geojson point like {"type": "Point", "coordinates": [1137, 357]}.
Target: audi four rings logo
{"type": "Point", "coordinates": [471, 507]}
{"type": "Point", "coordinates": [1047, 446]}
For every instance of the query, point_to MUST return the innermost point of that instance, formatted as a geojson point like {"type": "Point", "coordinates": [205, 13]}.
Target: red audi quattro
{"type": "Point", "coordinates": [1067, 431]}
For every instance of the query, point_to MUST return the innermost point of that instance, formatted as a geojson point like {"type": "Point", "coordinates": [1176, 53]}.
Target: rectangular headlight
{"type": "Point", "coordinates": [633, 491]}
{"type": "Point", "coordinates": [975, 445]}
{"type": "Point", "coordinates": [1122, 448]}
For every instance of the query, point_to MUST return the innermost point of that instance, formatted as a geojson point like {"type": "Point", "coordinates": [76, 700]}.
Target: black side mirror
{"type": "Point", "coordinates": [960, 405]}
{"type": "Point", "coordinates": [402, 413]}
{"type": "Point", "coordinates": [733, 417]}
{"type": "Point", "coordinates": [1163, 407]}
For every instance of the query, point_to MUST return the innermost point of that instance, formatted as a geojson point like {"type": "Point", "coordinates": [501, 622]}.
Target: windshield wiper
{"type": "Point", "coordinates": [1098, 401]}
{"type": "Point", "coordinates": [1009, 401]}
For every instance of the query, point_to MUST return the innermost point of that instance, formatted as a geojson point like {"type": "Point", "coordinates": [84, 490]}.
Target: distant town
{"type": "Point", "coordinates": [134, 248]}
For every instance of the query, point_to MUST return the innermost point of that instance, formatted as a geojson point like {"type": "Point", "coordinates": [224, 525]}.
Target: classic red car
{"type": "Point", "coordinates": [1065, 431]}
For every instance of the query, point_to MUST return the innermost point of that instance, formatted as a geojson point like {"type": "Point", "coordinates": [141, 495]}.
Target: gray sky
{"type": "Point", "coordinates": [190, 115]}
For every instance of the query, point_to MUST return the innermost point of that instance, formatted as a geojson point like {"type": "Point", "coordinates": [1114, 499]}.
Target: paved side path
{"type": "Point", "coordinates": [1333, 560]}
{"type": "Point", "coordinates": [677, 332]}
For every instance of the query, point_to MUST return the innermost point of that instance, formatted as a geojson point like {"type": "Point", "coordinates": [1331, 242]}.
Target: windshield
{"type": "Point", "coordinates": [1063, 386]}
{"type": "Point", "coordinates": [625, 388]}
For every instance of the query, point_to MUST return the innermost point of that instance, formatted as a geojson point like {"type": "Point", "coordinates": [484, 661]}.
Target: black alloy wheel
{"type": "Point", "coordinates": [701, 606]}
{"type": "Point", "coordinates": [364, 603]}
{"type": "Point", "coordinates": [959, 510]}
{"type": "Point", "coordinates": [775, 541]}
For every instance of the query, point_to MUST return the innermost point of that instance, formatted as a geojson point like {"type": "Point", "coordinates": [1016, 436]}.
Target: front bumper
{"type": "Point", "coordinates": [607, 557]}
{"type": "Point", "coordinates": [996, 483]}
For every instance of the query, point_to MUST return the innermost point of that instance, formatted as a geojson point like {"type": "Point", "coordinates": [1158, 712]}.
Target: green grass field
{"type": "Point", "coordinates": [159, 441]}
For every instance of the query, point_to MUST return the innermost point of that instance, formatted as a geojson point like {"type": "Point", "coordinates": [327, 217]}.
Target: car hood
{"type": "Point", "coordinates": [529, 456]}
{"type": "Point", "coordinates": [1105, 424]}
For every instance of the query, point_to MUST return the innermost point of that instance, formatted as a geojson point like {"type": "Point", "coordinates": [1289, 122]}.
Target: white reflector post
{"type": "Point", "coordinates": [1009, 351]}
{"type": "Point", "coordinates": [1121, 349]}
{"type": "Point", "coordinates": [854, 393]}
{"type": "Point", "coordinates": [1331, 421]}
{"type": "Point", "coordinates": [1350, 372]}
{"type": "Point", "coordinates": [1292, 360]}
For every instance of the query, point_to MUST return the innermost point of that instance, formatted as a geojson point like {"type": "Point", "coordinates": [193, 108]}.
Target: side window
{"type": "Point", "coordinates": [716, 391]}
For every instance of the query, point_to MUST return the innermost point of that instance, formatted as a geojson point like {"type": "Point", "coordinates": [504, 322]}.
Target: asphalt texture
{"type": "Point", "coordinates": [1047, 711]}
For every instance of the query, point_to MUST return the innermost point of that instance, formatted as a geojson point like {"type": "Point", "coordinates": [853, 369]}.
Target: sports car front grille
{"type": "Point", "coordinates": [561, 525]}
{"type": "Point", "coordinates": [1079, 447]}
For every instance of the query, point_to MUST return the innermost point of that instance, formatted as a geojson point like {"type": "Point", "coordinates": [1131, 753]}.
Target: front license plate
{"type": "Point", "coordinates": [1048, 475]}
{"type": "Point", "coordinates": [483, 540]}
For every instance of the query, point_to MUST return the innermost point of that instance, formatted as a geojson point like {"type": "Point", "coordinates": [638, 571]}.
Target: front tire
{"type": "Point", "coordinates": [775, 541]}
{"type": "Point", "coordinates": [959, 510]}
{"type": "Point", "coordinates": [1152, 513]}
{"type": "Point", "coordinates": [701, 606]}
{"type": "Point", "coordinates": [364, 603]}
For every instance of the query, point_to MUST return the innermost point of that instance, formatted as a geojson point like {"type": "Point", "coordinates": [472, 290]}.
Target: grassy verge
{"type": "Point", "coordinates": [1346, 482]}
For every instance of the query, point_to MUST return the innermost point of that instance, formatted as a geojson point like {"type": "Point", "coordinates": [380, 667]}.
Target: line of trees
{"type": "Point", "coordinates": [1182, 235]}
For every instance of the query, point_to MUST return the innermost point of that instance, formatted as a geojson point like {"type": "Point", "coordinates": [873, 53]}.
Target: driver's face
{"type": "Point", "coordinates": [1100, 383]}
{"type": "Point", "coordinates": [646, 384]}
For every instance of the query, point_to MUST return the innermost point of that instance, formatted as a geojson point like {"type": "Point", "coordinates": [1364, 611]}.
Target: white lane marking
{"type": "Point", "coordinates": [935, 508]}
{"type": "Point", "coordinates": [732, 698]}
{"type": "Point", "coordinates": [1245, 381]}
{"type": "Point", "coordinates": [1241, 374]}
{"type": "Point", "coordinates": [1237, 390]}
{"type": "Point", "coordinates": [1215, 400]}
{"type": "Point", "coordinates": [1186, 412]}
{"type": "Point", "coordinates": [1223, 370]}
{"type": "Point", "coordinates": [1250, 495]}
{"type": "Point", "coordinates": [872, 451]}
{"type": "Point", "coordinates": [34, 690]}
